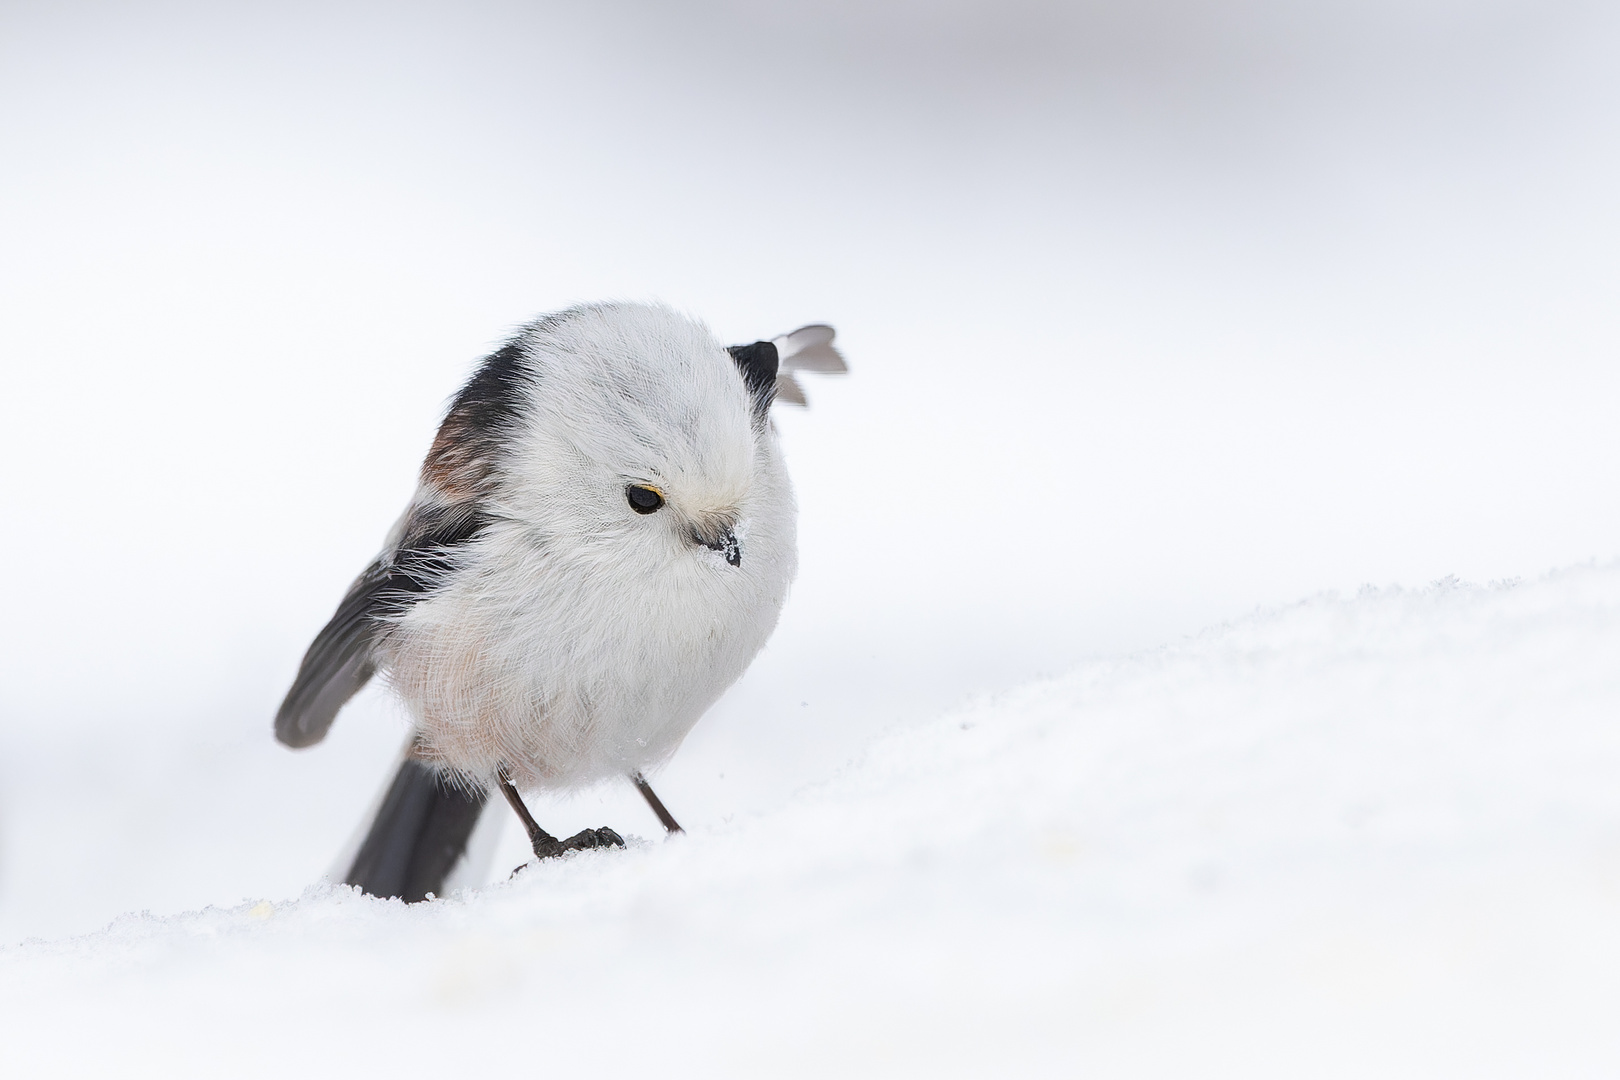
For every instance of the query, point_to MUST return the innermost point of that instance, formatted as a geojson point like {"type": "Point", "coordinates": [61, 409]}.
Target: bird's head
{"type": "Point", "coordinates": [648, 435]}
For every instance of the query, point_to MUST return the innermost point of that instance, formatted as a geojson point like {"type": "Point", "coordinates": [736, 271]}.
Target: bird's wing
{"type": "Point", "coordinates": [809, 349]}
{"type": "Point", "coordinates": [447, 513]}
{"type": "Point", "coordinates": [337, 664]}
{"type": "Point", "coordinates": [340, 660]}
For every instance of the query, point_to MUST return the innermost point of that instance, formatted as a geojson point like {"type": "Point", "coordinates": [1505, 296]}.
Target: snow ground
{"type": "Point", "coordinates": [1369, 834]}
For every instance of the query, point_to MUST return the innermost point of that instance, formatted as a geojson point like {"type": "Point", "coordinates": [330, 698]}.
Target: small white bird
{"type": "Point", "coordinates": [601, 541]}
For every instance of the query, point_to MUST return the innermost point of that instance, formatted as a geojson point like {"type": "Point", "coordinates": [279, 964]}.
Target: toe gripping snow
{"type": "Point", "coordinates": [547, 846]}
{"type": "Point", "coordinates": [544, 844]}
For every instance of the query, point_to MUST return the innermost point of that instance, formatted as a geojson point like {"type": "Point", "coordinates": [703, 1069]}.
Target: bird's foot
{"type": "Point", "coordinates": [550, 847]}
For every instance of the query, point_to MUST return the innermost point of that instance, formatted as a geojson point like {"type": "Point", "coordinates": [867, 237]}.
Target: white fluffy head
{"type": "Point", "coordinates": [633, 395]}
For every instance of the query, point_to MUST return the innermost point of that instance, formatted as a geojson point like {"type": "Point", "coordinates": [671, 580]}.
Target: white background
{"type": "Point", "coordinates": [1155, 312]}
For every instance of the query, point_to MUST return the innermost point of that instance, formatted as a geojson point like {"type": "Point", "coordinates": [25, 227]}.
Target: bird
{"type": "Point", "coordinates": [601, 539]}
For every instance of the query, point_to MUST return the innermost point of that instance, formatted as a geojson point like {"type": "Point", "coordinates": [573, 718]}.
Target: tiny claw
{"type": "Point", "coordinates": [549, 847]}
{"type": "Point", "coordinates": [593, 838]}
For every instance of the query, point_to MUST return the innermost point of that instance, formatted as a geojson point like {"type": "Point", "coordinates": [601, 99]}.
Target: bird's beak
{"type": "Point", "coordinates": [722, 540]}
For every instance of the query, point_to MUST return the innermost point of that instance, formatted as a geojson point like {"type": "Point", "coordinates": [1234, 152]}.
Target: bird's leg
{"type": "Point", "coordinates": [665, 818]}
{"type": "Point", "coordinates": [544, 844]}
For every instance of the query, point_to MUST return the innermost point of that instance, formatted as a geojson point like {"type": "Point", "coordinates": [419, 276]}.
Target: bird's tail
{"type": "Point", "coordinates": [418, 837]}
{"type": "Point", "coordinates": [809, 348]}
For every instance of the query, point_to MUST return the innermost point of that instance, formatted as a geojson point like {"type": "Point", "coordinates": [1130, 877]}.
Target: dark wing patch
{"type": "Point", "coordinates": [427, 552]}
{"type": "Point", "coordinates": [757, 363]}
{"type": "Point", "coordinates": [467, 448]}
{"type": "Point", "coordinates": [340, 659]}
{"type": "Point", "coordinates": [464, 455]}
{"type": "Point", "coordinates": [337, 664]}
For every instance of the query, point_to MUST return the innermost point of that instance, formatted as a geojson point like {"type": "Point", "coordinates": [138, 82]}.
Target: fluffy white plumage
{"type": "Point", "coordinates": [601, 541]}
{"type": "Point", "coordinates": [577, 639]}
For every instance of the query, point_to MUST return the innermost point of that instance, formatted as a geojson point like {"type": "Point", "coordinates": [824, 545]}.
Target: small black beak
{"type": "Point", "coordinates": [726, 544]}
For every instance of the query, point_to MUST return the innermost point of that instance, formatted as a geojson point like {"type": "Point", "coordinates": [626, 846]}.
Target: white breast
{"type": "Point", "coordinates": [568, 662]}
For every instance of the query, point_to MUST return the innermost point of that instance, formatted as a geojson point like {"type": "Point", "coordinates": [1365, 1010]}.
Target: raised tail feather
{"type": "Point", "coordinates": [418, 836]}
{"type": "Point", "coordinates": [809, 348]}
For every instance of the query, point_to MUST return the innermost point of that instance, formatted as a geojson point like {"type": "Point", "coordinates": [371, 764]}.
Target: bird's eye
{"type": "Point", "coordinates": [643, 499]}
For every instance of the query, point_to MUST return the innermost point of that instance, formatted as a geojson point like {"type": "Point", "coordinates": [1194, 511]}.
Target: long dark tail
{"type": "Point", "coordinates": [417, 837]}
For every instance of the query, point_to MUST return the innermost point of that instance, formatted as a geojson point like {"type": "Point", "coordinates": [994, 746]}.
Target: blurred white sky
{"type": "Point", "coordinates": [1156, 312]}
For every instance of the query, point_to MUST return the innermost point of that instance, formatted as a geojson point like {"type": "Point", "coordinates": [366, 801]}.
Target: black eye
{"type": "Point", "coordinates": [644, 500]}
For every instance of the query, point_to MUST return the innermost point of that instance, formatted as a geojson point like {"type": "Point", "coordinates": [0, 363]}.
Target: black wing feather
{"type": "Point", "coordinates": [340, 659]}
{"type": "Point", "coordinates": [337, 664]}
{"type": "Point", "coordinates": [464, 454]}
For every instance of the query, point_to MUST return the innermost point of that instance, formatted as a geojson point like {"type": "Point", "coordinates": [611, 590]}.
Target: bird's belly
{"type": "Point", "coordinates": [563, 680]}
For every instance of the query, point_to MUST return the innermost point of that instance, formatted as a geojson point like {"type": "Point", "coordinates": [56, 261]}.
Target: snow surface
{"type": "Point", "coordinates": [1366, 834]}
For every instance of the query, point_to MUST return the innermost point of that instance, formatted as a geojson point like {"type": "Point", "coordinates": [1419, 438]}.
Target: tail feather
{"type": "Point", "coordinates": [809, 349]}
{"type": "Point", "coordinates": [788, 389]}
{"type": "Point", "coordinates": [419, 835]}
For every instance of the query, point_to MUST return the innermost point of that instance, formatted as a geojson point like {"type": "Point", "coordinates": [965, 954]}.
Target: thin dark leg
{"type": "Point", "coordinates": [544, 844]}
{"type": "Point", "coordinates": [537, 835]}
{"type": "Point", "coordinates": [665, 818]}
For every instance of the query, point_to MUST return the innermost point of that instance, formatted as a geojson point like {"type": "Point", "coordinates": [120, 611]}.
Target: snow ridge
{"type": "Point", "coordinates": [1370, 832]}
